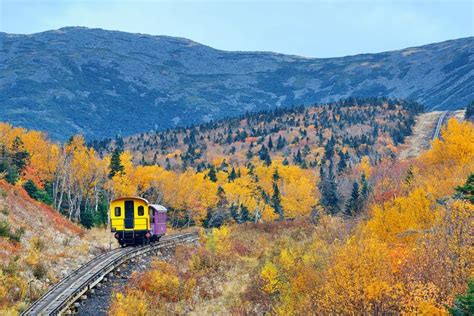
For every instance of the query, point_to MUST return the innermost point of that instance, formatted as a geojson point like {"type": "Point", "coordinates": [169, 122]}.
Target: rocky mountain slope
{"type": "Point", "coordinates": [101, 83]}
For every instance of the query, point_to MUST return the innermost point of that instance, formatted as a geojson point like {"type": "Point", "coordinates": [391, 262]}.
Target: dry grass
{"type": "Point", "coordinates": [50, 248]}
{"type": "Point", "coordinates": [422, 135]}
{"type": "Point", "coordinates": [419, 141]}
{"type": "Point", "coordinates": [219, 275]}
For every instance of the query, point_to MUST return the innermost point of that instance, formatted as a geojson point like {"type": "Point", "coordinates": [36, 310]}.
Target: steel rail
{"type": "Point", "coordinates": [439, 125]}
{"type": "Point", "coordinates": [62, 295]}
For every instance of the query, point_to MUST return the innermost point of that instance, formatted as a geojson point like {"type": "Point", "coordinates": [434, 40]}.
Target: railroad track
{"type": "Point", "coordinates": [61, 296]}
{"type": "Point", "coordinates": [440, 124]}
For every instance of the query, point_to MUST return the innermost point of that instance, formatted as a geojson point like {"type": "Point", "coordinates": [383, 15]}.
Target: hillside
{"type": "Point", "coordinates": [38, 247]}
{"type": "Point", "coordinates": [304, 136]}
{"type": "Point", "coordinates": [408, 251]}
{"type": "Point", "coordinates": [102, 83]}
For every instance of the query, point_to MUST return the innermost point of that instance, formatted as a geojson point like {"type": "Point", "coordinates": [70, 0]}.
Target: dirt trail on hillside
{"type": "Point", "coordinates": [423, 132]}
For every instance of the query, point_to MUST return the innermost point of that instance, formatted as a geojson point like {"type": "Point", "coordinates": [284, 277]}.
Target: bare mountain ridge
{"type": "Point", "coordinates": [102, 83]}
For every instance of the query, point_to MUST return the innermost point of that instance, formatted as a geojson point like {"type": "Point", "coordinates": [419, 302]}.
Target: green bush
{"type": "Point", "coordinates": [37, 194]}
{"type": "Point", "coordinates": [5, 231]}
{"type": "Point", "coordinates": [464, 304]}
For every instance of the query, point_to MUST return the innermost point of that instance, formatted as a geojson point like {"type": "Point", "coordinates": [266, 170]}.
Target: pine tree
{"type": "Point", "coordinates": [244, 214]}
{"type": "Point", "coordinates": [298, 159]}
{"type": "Point", "coordinates": [263, 153]}
{"type": "Point", "coordinates": [270, 143]}
{"type": "Point", "coordinates": [87, 219]}
{"type": "Point", "coordinates": [464, 303]}
{"type": "Point", "coordinates": [249, 154]}
{"type": "Point", "coordinates": [115, 163]}
{"type": "Point", "coordinates": [328, 188]}
{"type": "Point", "coordinates": [364, 188]}
{"type": "Point", "coordinates": [19, 154]}
{"type": "Point", "coordinates": [353, 204]}
{"type": "Point", "coordinates": [281, 143]}
{"type": "Point", "coordinates": [466, 191]}
{"type": "Point", "coordinates": [268, 160]}
{"type": "Point", "coordinates": [342, 165]}
{"type": "Point", "coordinates": [7, 167]}
{"type": "Point", "coordinates": [143, 161]}
{"type": "Point", "coordinates": [234, 213]}
{"type": "Point", "coordinates": [212, 174]}
{"type": "Point", "coordinates": [232, 175]}
{"type": "Point", "coordinates": [276, 196]}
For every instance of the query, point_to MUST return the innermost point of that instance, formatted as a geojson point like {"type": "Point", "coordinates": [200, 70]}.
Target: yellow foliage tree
{"type": "Point", "coordinates": [269, 275]}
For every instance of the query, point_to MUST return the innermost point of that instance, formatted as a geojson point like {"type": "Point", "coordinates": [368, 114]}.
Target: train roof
{"type": "Point", "coordinates": [159, 208]}
{"type": "Point", "coordinates": [130, 198]}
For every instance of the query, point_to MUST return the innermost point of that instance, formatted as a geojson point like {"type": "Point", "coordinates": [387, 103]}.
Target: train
{"type": "Point", "coordinates": [134, 221]}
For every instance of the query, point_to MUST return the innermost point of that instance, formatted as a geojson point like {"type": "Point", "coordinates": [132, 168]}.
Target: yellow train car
{"type": "Point", "coordinates": [135, 221]}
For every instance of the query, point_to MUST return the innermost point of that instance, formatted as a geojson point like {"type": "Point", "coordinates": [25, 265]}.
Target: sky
{"type": "Point", "coordinates": [326, 28]}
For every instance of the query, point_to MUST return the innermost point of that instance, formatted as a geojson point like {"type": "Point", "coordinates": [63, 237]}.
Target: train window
{"type": "Point", "coordinates": [117, 211]}
{"type": "Point", "coordinates": [141, 211]}
{"type": "Point", "coordinates": [152, 216]}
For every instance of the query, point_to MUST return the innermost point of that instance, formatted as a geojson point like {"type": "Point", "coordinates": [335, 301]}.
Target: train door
{"type": "Point", "coordinates": [129, 214]}
{"type": "Point", "coordinates": [152, 220]}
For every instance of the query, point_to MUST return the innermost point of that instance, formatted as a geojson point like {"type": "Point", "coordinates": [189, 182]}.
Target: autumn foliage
{"type": "Point", "coordinates": [410, 252]}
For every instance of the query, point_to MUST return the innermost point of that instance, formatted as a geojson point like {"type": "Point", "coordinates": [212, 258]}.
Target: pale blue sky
{"type": "Point", "coordinates": [308, 28]}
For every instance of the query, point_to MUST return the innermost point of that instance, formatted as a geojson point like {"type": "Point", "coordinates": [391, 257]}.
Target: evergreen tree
{"type": "Point", "coordinates": [353, 204]}
{"type": "Point", "coordinates": [119, 143]}
{"type": "Point", "coordinates": [249, 154]}
{"type": "Point", "coordinates": [270, 143]}
{"type": "Point", "coordinates": [268, 160]}
{"type": "Point", "coordinates": [364, 188]}
{"type": "Point", "coordinates": [281, 143]}
{"type": "Point", "coordinates": [276, 196]}
{"type": "Point", "coordinates": [87, 220]}
{"type": "Point", "coordinates": [328, 188]}
{"type": "Point", "coordinates": [463, 304]}
{"type": "Point", "coordinates": [143, 161]}
{"type": "Point", "coordinates": [212, 174]}
{"type": "Point", "coordinates": [342, 165]}
{"type": "Point", "coordinates": [298, 159]}
{"type": "Point", "coordinates": [329, 148]}
{"type": "Point", "coordinates": [224, 165]}
{"type": "Point", "coordinates": [244, 214]}
{"type": "Point", "coordinates": [466, 191]}
{"type": "Point", "coordinates": [232, 175]}
{"type": "Point", "coordinates": [234, 213]}
{"type": "Point", "coordinates": [115, 163]}
{"type": "Point", "coordinates": [263, 153]}
{"type": "Point", "coordinates": [19, 154]}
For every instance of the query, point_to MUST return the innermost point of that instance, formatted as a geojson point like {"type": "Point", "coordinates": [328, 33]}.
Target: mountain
{"type": "Point", "coordinates": [102, 83]}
